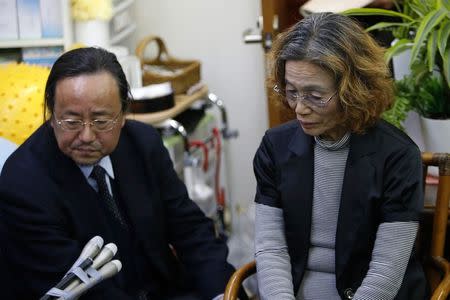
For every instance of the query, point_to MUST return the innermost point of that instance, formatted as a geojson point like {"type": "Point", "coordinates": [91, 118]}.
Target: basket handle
{"type": "Point", "coordinates": [162, 49]}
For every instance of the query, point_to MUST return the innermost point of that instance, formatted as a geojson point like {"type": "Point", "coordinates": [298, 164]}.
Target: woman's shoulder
{"type": "Point", "coordinates": [283, 140]}
{"type": "Point", "coordinates": [284, 130]}
{"type": "Point", "coordinates": [390, 135]}
{"type": "Point", "coordinates": [386, 142]}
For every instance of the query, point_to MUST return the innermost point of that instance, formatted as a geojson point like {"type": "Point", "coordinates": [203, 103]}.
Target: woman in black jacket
{"type": "Point", "coordinates": [338, 190]}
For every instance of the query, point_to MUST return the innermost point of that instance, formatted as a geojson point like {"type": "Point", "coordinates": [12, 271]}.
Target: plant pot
{"type": "Point", "coordinates": [92, 33]}
{"type": "Point", "coordinates": [436, 137]}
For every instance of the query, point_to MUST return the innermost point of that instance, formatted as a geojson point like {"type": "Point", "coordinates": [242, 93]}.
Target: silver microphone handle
{"type": "Point", "coordinates": [108, 270]}
{"type": "Point", "coordinates": [105, 255]}
{"type": "Point", "coordinates": [91, 249]}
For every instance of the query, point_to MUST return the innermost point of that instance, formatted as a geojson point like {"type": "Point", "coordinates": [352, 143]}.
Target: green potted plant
{"type": "Point", "coordinates": [423, 28]}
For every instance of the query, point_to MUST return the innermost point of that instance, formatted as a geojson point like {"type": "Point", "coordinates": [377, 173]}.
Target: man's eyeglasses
{"type": "Point", "coordinates": [99, 125]}
{"type": "Point", "coordinates": [293, 96]}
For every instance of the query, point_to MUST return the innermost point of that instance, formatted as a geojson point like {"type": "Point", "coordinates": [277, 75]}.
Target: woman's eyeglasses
{"type": "Point", "coordinates": [293, 96]}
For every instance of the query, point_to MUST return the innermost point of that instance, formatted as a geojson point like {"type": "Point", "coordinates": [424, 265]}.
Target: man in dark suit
{"type": "Point", "coordinates": [52, 203]}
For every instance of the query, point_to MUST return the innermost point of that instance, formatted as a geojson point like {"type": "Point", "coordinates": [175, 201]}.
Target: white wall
{"type": "Point", "coordinates": [211, 31]}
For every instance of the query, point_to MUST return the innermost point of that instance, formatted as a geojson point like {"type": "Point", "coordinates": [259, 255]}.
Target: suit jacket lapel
{"type": "Point", "coordinates": [133, 183]}
{"type": "Point", "coordinates": [296, 185]}
{"type": "Point", "coordinates": [358, 177]}
{"type": "Point", "coordinates": [138, 192]}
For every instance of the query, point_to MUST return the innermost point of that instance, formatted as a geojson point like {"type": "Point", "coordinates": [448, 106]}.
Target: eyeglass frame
{"type": "Point", "coordinates": [92, 125]}
{"type": "Point", "coordinates": [323, 103]}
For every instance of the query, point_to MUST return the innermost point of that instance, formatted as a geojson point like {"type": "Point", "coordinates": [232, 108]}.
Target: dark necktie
{"type": "Point", "coordinates": [99, 174]}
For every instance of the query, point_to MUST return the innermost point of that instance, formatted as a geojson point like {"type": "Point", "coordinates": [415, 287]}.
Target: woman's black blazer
{"type": "Point", "coordinates": [382, 183]}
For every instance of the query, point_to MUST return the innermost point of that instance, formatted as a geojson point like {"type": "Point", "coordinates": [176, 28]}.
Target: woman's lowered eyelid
{"type": "Point", "coordinates": [314, 94]}
{"type": "Point", "coordinates": [305, 86]}
{"type": "Point", "coordinates": [313, 90]}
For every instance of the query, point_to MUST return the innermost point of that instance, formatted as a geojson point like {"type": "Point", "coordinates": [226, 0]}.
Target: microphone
{"type": "Point", "coordinates": [105, 255]}
{"type": "Point", "coordinates": [91, 249]}
{"type": "Point", "coordinates": [102, 258]}
{"type": "Point", "coordinates": [108, 270]}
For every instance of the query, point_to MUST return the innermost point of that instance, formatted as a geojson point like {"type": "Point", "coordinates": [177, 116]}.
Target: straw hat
{"type": "Point", "coordinates": [315, 6]}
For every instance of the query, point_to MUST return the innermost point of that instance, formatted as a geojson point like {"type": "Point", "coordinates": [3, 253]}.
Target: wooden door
{"type": "Point", "coordinates": [278, 15]}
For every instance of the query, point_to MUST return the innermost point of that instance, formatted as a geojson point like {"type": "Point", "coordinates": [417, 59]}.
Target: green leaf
{"type": "Point", "coordinates": [420, 10]}
{"type": "Point", "coordinates": [430, 5]}
{"type": "Point", "coordinates": [397, 48]}
{"type": "Point", "coordinates": [419, 71]}
{"type": "Point", "coordinates": [382, 25]}
{"type": "Point", "coordinates": [377, 12]}
{"type": "Point", "coordinates": [431, 50]}
{"type": "Point", "coordinates": [429, 22]}
{"type": "Point", "coordinates": [398, 113]}
{"type": "Point", "coordinates": [446, 65]}
{"type": "Point", "coordinates": [446, 4]}
{"type": "Point", "coordinates": [443, 36]}
{"type": "Point", "coordinates": [428, 97]}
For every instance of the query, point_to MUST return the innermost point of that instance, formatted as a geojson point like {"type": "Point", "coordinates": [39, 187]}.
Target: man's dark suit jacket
{"type": "Point", "coordinates": [49, 212]}
{"type": "Point", "coordinates": [382, 183]}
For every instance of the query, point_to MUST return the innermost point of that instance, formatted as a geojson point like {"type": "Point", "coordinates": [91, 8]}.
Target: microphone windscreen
{"type": "Point", "coordinates": [105, 255]}
{"type": "Point", "coordinates": [93, 246]}
{"type": "Point", "coordinates": [111, 269]}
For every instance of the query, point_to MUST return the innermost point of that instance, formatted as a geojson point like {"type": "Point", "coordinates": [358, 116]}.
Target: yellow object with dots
{"type": "Point", "coordinates": [22, 89]}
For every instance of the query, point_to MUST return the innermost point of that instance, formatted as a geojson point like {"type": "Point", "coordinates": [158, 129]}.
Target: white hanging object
{"type": "Point", "coordinates": [92, 33]}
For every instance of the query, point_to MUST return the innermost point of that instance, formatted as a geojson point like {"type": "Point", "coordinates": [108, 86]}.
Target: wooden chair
{"type": "Point", "coordinates": [438, 272]}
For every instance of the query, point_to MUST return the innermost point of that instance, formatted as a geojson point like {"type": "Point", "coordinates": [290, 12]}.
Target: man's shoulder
{"type": "Point", "coordinates": [142, 135]}
{"type": "Point", "coordinates": [28, 166]}
{"type": "Point", "coordinates": [33, 149]}
{"type": "Point", "coordinates": [139, 129]}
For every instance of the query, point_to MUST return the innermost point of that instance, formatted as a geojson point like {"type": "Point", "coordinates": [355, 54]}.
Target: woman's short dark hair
{"type": "Point", "coordinates": [340, 46]}
{"type": "Point", "coordinates": [82, 61]}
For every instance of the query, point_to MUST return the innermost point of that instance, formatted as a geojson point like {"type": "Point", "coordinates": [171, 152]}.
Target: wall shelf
{"type": "Point", "coordinates": [65, 41]}
{"type": "Point", "coordinates": [121, 6]}
{"type": "Point", "coordinates": [118, 37]}
{"type": "Point", "coordinates": [182, 102]}
{"type": "Point", "coordinates": [121, 23]}
{"type": "Point", "coordinates": [31, 43]}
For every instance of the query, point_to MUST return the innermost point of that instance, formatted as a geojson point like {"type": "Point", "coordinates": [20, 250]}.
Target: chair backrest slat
{"type": "Point", "coordinates": [442, 161]}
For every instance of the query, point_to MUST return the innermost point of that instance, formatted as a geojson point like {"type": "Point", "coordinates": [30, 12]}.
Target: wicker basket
{"type": "Point", "coordinates": [181, 73]}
